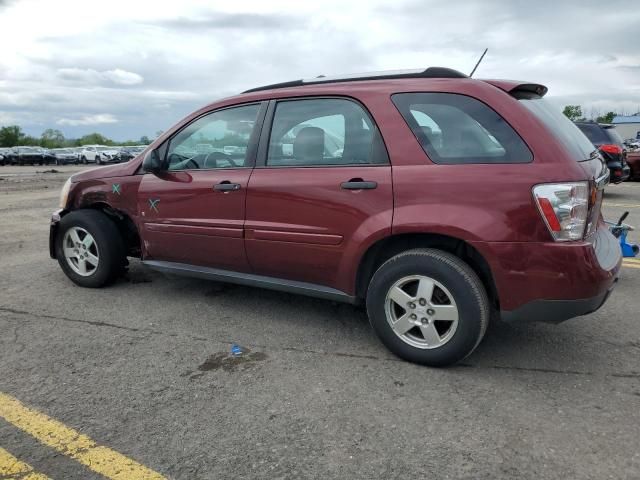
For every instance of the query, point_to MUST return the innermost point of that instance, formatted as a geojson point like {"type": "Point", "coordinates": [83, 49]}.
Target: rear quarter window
{"type": "Point", "coordinates": [563, 129]}
{"type": "Point", "coordinates": [456, 129]}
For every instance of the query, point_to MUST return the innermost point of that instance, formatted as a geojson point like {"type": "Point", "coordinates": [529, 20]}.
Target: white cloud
{"type": "Point", "coordinates": [98, 119]}
{"type": "Point", "coordinates": [122, 77]}
{"type": "Point", "coordinates": [90, 76]}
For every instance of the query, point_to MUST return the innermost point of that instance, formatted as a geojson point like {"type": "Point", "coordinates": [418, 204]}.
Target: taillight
{"type": "Point", "coordinates": [615, 149]}
{"type": "Point", "coordinates": [564, 208]}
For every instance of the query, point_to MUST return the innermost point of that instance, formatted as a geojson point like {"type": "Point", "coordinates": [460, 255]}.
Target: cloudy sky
{"type": "Point", "coordinates": [131, 68]}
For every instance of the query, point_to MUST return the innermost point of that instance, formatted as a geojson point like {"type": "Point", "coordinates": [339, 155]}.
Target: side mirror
{"type": "Point", "coordinates": [152, 163]}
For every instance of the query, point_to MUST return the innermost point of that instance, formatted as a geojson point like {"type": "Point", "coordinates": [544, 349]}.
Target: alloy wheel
{"type": "Point", "coordinates": [421, 311]}
{"type": "Point", "coordinates": [80, 251]}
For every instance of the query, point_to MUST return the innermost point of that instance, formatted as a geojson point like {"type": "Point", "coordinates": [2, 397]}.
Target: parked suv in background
{"type": "Point", "coordinates": [65, 156]}
{"type": "Point", "coordinates": [605, 137]}
{"type": "Point", "coordinates": [31, 156]}
{"type": "Point", "coordinates": [99, 154]}
{"type": "Point", "coordinates": [129, 152]}
{"type": "Point", "coordinates": [5, 154]}
{"type": "Point", "coordinates": [435, 199]}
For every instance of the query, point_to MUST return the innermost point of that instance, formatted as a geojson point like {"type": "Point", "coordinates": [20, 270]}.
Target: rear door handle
{"type": "Point", "coordinates": [226, 186]}
{"type": "Point", "coordinates": [358, 184]}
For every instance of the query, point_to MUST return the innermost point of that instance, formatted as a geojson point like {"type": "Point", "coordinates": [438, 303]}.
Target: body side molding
{"type": "Point", "coordinates": [252, 280]}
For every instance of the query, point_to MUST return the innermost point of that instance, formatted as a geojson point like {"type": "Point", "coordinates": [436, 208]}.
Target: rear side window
{"type": "Point", "coordinates": [323, 132]}
{"type": "Point", "coordinates": [559, 126]}
{"type": "Point", "coordinates": [455, 129]}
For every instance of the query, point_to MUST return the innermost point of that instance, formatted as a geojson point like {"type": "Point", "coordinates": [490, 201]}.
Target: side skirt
{"type": "Point", "coordinates": [251, 280]}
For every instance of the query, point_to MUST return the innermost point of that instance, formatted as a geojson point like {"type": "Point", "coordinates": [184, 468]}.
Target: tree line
{"type": "Point", "coordinates": [12, 135]}
{"type": "Point", "coordinates": [574, 113]}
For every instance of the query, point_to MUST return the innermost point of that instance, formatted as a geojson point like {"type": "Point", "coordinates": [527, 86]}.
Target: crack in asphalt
{"type": "Point", "coordinates": [67, 319]}
{"type": "Point", "coordinates": [632, 374]}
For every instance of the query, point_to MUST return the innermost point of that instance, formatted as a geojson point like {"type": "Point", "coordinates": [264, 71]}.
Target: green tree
{"type": "Point", "coordinates": [573, 112]}
{"type": "Point", "coordinates": [51, 138]}
{"type": "Point", "coordinates": [144, 140]}
{"type": "Point", "coordinates": [94, 139]}
{"type": "Point", "coordinates": [11, 136]}
{"type": "Point", "coordinates": [607, 118]}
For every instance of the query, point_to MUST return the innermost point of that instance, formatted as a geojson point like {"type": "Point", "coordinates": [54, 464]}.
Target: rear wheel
{"type": "Point", "coordinates": [89, 248]}
{"type": "Point", "coordinates": [84, 160]}
{"type": "Point", "coordinates": [98, 161]}
{"type": "Point", "coordinates": [428, 306]}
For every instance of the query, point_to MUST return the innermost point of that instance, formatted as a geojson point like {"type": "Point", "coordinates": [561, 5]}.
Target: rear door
{"type": "Point", "coordinates": [321, 186]}
{"type": "Point", "coordinates": [194, 212]}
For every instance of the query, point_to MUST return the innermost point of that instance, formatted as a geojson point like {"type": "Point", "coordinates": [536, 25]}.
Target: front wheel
{"type": "Point", "coordinates": [89, 248]}
{"type": "Point", "coordinates": [428, 306]}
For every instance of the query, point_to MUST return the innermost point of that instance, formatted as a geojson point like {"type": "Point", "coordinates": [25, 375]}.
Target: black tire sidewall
{"type": "Point", "coordinates": [468, 293]}
{"type": "Point", "coordinates": [110, 245]}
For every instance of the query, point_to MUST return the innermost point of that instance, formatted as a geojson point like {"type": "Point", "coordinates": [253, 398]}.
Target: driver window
{"type": "Point", "coordinates": [217, 140]}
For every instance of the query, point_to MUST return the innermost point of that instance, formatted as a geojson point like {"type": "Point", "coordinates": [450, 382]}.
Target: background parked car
{"type": "Point", "coordinates": [65, 156]}
{"type": "Point", "coordinates": [99, 154]}
{"type": "Point", "coordinates": [23, 155]}
{"type": "Point", "coordinates": [4, 156]}
{"type": "Point", "coordinates": [632, 144]}
{"type": "Point", "coordinates": [605, 137]}
{"type": "Point", "coordinates": [633, 160]}
{"type": "Point", "coordinates": [129, 152]}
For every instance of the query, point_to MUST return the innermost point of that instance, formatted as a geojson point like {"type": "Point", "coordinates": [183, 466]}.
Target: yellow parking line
{"type": "Point", "coordinates": [72, 443]}
{"type": "Point", "coordinates": [13, 469]}
{"type": "Point", "coordinates": [631, 265]}
{"type": "Point", "coordinates": [631, 260]}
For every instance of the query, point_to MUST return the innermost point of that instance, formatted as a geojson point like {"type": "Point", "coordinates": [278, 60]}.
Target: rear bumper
{"type": "Point", "coordinates": [620, 174]}
{"type": "Point", "coordinates": [556, 311]}
{"type": "Point", "coordinates": [553, 281]}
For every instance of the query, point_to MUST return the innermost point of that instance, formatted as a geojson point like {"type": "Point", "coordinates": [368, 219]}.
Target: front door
{"type": "Point", "coordinates": [322, 186]}
{"type": "Point", "coordinates": [194, 212]}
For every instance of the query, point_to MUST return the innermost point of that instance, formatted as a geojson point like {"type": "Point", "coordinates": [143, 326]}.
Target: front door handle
{"type": "Point", "coordinates": [358, 184]}
{"type": "Point", "coordinates": [226, 186]}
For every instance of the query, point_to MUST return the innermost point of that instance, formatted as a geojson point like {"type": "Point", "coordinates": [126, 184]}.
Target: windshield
{"type": "Point", "coordinates": [563, 128]}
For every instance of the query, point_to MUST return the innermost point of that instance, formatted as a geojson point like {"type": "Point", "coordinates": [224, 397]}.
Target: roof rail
{"type": "Point", "coordinates": [431, 72]}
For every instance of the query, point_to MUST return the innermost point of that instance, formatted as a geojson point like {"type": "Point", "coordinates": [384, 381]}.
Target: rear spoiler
{"type": "Point", "coordinates": [514, 87]}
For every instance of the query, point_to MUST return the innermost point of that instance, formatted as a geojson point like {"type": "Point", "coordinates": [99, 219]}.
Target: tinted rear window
{"type": "Point", "coordinates": [594, 132]}
{"type": "Point", "coordinates": [454, 129]}
{"type": "Point", "coordinates": [614, 136]}
{"type": "Point", "coordinates": [560, 126]}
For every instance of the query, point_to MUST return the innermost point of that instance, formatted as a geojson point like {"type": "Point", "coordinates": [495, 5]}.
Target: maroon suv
{"type": "Point", "coordinates": [435, 199]}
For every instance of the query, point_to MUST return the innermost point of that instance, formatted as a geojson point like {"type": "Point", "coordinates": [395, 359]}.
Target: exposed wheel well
{"type": "Point", "coordinates": [125, 225]}
{"type": "Point", "coordinates": [388, 247]}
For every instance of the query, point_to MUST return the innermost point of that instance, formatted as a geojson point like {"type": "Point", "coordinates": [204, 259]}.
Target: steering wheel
{"type": "Point", "coordinates": [182, 163]}
{"type": "Point", "coordinates": [215, 156]}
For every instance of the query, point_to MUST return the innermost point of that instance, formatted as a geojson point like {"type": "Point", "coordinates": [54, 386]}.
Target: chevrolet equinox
{"type": "Point", "coordinates": [437, 200]}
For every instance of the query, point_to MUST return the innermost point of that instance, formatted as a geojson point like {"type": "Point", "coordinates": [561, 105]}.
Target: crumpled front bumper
{"type": "Point", "coordinates": [53, 231]}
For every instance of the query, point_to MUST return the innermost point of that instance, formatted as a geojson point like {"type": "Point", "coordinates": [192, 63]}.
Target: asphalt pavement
{"type": "Point", "coordinates": [143, 370]}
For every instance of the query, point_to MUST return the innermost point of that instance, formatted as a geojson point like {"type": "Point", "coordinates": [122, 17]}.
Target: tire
{"type": "Point", "coordinates": [109, 248]}
{"type": "Point", "coordinates": [84, 160]}
{"type": "Point", "coordinates": [454, 281]}
{"type": "Point", "coordinates": [98, 161]}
